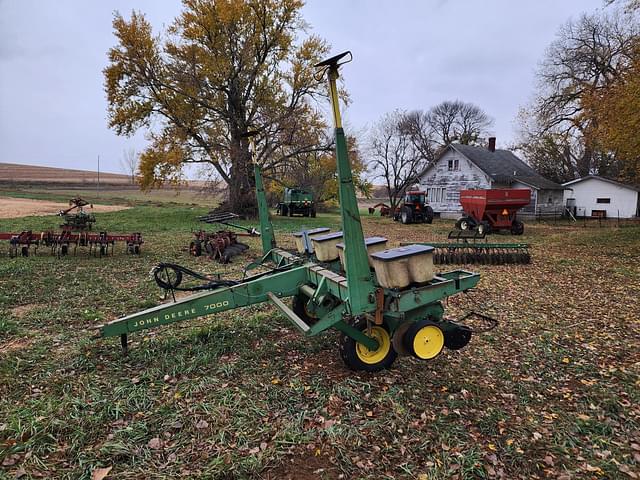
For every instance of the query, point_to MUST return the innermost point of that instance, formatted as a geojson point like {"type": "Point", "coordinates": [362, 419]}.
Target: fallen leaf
{"type": "Point", "coordinates": [100, 473]}
{"type": "Point", "coordinates": [202, 424]}
{"type": "Point", "coordinates": [155, 443]}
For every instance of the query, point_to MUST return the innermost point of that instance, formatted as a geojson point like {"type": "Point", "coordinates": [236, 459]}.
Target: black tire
{"type": "Point", "coordinates": [103, 250]}
{"type": "Point", "coordinates": [290, 210]}
{"type": "Point", "coordinates": [64, 250]}
{"type": "Point", "coordinates": [349, 351]}
{"type": "Point", "coordinates": [428, 215]}
{"type": "Point", "coordinates": [284, 210]}
{"type": "Point", "coordinates": [406, 215]}
{"type": "Point", "coordinates": [517, 227]}
{"type": "Point", "coordinates": [195, 248]}
{"type": "Point", "coordinates": [136, 249]}
{"type": "Point", "coordinates": [313, 213]}
{"type": "Point", "coordinates": [24, 251]}
{"type": "Point", "coordinates": [483, 228]}
{"type": "Point", "coordinates": [464, 224]}
{"type": "Point", "coordinates": [299, 307]}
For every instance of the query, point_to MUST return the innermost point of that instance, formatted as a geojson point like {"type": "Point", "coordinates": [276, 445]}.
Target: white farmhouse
{"type": "Point", "coordinates": [464, 167]}
{"type": "Point", "coordinates": [594, 196]}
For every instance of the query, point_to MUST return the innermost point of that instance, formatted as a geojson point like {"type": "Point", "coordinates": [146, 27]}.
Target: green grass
{"type": "Point", "coordinates": [242, 395]}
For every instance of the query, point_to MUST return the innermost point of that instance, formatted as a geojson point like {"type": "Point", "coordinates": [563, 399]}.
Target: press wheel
{"type": "Point", "coordinates": [457, 337]}
{"type": "Point", "coordinates": [358, 357]}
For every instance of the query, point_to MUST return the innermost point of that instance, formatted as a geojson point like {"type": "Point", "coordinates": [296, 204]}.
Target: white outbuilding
{"type": "Point", "coordinates": [594, 196]}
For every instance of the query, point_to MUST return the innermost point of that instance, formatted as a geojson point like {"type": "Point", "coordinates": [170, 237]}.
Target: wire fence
{"type": "Point", "coordinates": [565, 217]}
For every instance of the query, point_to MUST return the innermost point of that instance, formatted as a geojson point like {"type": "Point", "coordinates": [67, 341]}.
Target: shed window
{"type": "Point", "coordinates": [603, 200]}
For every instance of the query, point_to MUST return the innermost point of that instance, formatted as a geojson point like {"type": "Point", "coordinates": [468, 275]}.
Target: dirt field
{"type": "Point", "coordinates": [23, 207]}
{"type": "Point", "coordinates": [13, 172]}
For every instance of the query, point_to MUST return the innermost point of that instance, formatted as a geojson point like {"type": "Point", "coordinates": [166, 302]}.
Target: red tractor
{"type": "Point", "coordinates": [490, 210]}
{"type": "Point", "coordinates": [414, 209]}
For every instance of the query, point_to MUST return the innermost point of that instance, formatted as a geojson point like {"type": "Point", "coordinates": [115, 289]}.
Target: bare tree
{"type": "Point", "coordinates": [129, 163]}
{"type": "Point", "coordinates": [458, 121]}
{"type": "Point", "coordinates": [416, 125]}
{"type": "Point", "coordinates": [394, 156]}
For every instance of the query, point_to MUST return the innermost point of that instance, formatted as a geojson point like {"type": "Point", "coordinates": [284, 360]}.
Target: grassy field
{"type": "Point", "coordinates": [553, 392]}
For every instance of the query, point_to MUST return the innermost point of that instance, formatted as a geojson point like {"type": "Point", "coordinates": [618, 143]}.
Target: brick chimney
{"type": "Point", "coordinates": [492, 144]}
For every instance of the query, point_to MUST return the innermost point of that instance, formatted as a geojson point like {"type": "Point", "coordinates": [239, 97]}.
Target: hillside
{"type": "Point", "coordinates": [17, 173]}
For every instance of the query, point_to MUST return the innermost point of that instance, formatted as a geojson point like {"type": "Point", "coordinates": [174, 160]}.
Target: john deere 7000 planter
{"type": "Point", "coordinates": [394, 309]}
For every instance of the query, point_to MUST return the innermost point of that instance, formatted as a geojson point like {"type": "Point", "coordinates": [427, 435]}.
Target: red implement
{"type": "Point", "coordinates": [495, 209]}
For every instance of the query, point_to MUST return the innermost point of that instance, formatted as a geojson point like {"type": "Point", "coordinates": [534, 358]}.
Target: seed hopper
{"type": "Point", "coordinates": [384, 303]}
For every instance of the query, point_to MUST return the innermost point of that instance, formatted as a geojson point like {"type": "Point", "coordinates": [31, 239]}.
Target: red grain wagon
{"type": "Point", "coordinates": [487, 210]}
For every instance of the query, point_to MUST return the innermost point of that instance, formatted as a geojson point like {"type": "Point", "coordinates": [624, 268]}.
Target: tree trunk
{"type": "Point", "coordinates": [242, 191]}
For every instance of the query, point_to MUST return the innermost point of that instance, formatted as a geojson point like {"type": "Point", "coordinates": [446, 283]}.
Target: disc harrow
{"type": "Point", "coordinates": [481, 253]}
{"type": "Point", "coordinates": [468, 249]}
{"type": "Point", "coordinates": [221, 246]}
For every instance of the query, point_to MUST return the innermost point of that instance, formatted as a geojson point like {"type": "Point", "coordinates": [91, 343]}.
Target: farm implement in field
{"type": "Point", "coordinates": [488, 211]}
{"type": "Point", "coordinates": [221, 245]}
{"type": "Point", "coordinates": [467, 247]}
{"type": "Point", "coordinates": [384, 303]}
{"type": "Point", "coordinates": [73, 234]}
{"type": "Point", "coordinates": [67, 242]}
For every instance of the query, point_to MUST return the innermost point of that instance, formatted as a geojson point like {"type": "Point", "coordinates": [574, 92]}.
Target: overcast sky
{"type": "Point", "coordinates": [407, 54]}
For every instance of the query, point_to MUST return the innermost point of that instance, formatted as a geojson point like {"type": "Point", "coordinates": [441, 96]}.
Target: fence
{"type": "Point", "coordinates": [564, 217]}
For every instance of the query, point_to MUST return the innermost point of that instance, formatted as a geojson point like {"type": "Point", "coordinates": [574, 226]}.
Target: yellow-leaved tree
{"type": "Point", "coordinates": [223, 71]}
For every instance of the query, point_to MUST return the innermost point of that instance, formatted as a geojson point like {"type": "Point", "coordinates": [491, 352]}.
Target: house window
{"type": "Point", "coordinates": [450, 165]}
{"type": "Point", "coordinates": [603, 200]}
{"type": "Point", "coordinates": [453, 165]}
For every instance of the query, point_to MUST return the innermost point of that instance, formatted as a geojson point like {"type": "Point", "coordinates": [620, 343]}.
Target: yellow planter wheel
{"type": "Point", "coordinates": [424, 339]}
{"type": "Point", "coordinates": [358, 357]}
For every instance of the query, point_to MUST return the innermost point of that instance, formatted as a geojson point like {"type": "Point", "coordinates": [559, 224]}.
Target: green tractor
{"type": "Point", "coordinates": [296, 201]}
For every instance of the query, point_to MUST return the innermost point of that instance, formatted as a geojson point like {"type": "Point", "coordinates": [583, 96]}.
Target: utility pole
{"type": "Point", "coordinates": [98, 184]}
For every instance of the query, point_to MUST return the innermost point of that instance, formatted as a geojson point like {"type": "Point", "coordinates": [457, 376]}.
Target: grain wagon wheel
{"type": "Point", "coordinates": [463, 224]}
{"type": "Point", "coordinates": [358, 357]}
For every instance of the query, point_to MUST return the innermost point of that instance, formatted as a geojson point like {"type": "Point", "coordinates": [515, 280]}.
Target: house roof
{"type": "Point", "coordinates": [597, 177]}
{"type": "Point", "coordinates": [502, 166]}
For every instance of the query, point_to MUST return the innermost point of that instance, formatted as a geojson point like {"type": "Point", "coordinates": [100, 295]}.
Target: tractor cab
{"type": "Point", "coordinates": [414, 209]}
{"type": "Point", "coordinates": [416, 198]}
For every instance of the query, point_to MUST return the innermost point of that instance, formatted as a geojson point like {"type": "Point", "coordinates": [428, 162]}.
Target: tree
{"type": "Point", "coordinates": [222, 72]}
{"type": "Point", "coordinates": [394, 156]}
{"type": "Point", "coordinates": [317, 171]}
{"type": "Point", "coordinates": [129, 163]}
{"type": "Point", "coordinates": [587, 56]}
{"type": "Point", "coordinates": [457, 121]}
{"type": "Point", "coordinates": [615, 111]}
